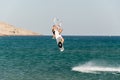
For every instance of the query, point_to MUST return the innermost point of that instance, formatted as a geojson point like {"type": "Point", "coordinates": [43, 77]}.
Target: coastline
{"type": "Point", "coordinates": [10, 30]}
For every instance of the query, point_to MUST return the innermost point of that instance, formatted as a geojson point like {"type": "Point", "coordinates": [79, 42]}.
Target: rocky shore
{"type": "Point", "coordinates": [10, 30]}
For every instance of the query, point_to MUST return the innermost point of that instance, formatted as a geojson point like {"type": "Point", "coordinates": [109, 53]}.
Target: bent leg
{"type": "Point", "coordinates": [62, 40]}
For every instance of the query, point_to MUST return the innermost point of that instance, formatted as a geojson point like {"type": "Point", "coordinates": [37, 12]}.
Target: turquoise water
{"type": "Point", "coordinates": [38, 58]}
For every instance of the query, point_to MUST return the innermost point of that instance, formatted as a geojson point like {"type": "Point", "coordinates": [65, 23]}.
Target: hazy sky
{"type": "Point", "coordinates": [79, 17]}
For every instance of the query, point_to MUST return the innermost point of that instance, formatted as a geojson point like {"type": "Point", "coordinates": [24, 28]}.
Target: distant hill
{"type": "Point", "coordinates": [10, 30]}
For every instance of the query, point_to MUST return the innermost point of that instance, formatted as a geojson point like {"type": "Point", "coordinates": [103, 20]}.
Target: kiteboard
{"type": "Point", "coordinates": [60, 44]}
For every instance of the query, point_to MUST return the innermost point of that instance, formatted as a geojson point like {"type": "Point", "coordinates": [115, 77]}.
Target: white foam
{"type": "Point", "coordinates": [92, 68]}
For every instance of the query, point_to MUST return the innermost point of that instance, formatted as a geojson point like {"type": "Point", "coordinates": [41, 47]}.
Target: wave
{"type": "Point", "coordinates": [91, 67]}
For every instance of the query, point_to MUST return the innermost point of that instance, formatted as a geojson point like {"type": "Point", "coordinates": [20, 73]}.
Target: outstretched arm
{"type": "Point", "coordinates": [60, 30]}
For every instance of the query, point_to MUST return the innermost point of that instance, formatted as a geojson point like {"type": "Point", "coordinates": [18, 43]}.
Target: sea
{"type": "Point", "coordinates": [39, 58]}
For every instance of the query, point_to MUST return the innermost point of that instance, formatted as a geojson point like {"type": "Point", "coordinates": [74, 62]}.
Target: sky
{"type": "Point", "coordinates": [79, 17]}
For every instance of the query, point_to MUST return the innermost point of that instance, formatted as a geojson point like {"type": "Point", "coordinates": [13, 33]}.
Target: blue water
{"type": "Point", "coordinates": [38, 58]}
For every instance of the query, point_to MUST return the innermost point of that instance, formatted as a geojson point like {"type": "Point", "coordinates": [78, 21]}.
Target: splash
{"type": "Point", "coordinates": [91, 67]}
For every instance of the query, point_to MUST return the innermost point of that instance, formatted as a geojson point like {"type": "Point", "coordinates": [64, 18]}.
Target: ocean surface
{"type": "Point", "coordinates": [38, 58]}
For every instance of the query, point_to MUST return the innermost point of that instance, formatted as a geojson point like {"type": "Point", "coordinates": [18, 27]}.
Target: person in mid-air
{"type": "Point", "coordinates": [57, 33]}
{"type": "Point", "coordinates": [56, 27]}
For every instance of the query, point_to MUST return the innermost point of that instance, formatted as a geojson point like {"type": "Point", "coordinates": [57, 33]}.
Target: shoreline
{"type": "Point", "coordinates": [10, 30]}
